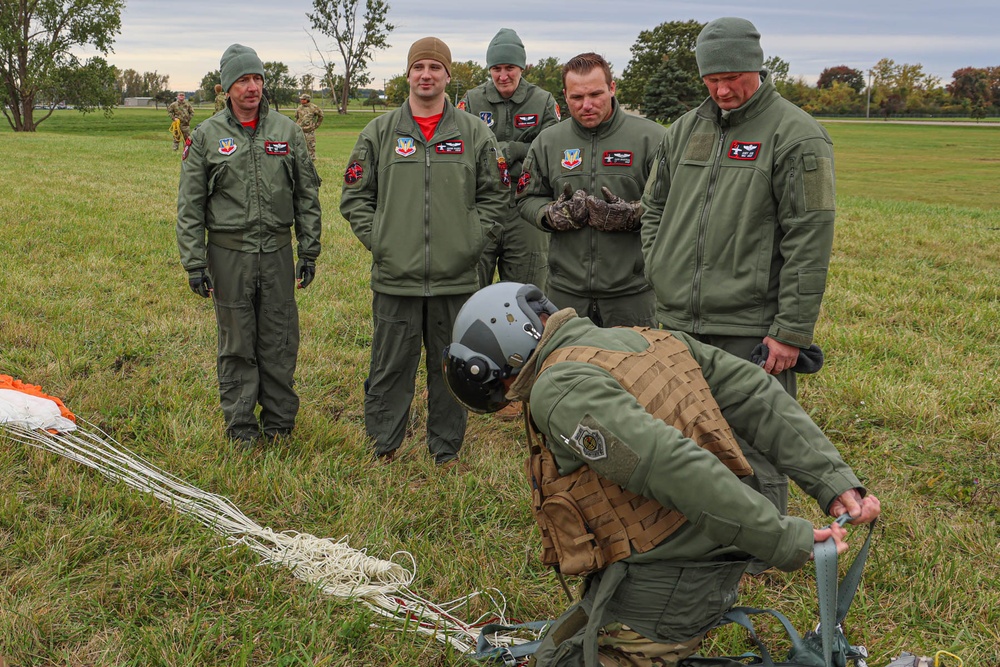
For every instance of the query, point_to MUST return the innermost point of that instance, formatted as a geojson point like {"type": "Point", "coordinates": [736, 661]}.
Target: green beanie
{"type": "Point", "coordinates": [237, 61]}
{"type": "Point", "coordinates": [729, 45]}
{"type": "Point", "coordinates": [506, 48]}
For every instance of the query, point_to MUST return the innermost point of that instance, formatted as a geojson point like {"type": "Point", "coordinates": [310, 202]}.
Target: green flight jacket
{"type": "Point", "coordinates": [617, 154]}
{"type": "Point", "coordinates": [726, 518]}
{"type": "Point", "coordinates": [514, 121]}
{"type": "Point", "coordinates": [247, 189]}
{"type": "Point", "coordinates": [425, 209]}
{"type": "Point", "coordinates": [738, 223]}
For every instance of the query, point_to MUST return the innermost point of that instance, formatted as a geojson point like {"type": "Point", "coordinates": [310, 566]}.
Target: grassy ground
{"type": "Point", "coordinates": [95, 307]}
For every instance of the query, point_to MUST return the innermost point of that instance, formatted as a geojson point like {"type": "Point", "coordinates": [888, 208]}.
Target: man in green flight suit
{"type": "Point", "coordinates": [515, 111]}
{"type": "Point", "coordinates": [182, 112]}
{"type": "Point", "coordinates": [425, 188]}
{"type": "Point", "coordinates": [246, 182]}
{"type": "Point", "coordinates": [581, 182]}
{"type": "Point", "coordinates": [646, 417]}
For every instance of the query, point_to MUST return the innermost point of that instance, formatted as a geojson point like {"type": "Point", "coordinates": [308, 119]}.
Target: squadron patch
{"type": "Point", "coordinates": [227, 146]}
{"type": "Point", "coordinates": [454, 147]}
{"type": "Point", "coordinates": [590, 442]}
{"type": "Point", "coordinates": [617, 159]}
{"type": "Point", "coordinates": [572, 158]}
{"type": "Point", "coordinates": [523, 120]}
{"type": "Point", "coordinates": [187, 147]}
{"type": "Point", "coordinates": [504, 172]}
{"type": "Point", "coordinates": [405, 147]}
{"type": "Point", "coordinates": [523, 181]}
{"type": "Point", "coordinates": [461, 106]}
{"type": "Point", "coordinates": [276, 147]}
{"type": "Point", "coordinates": [487, 117]}
{"type": "Point", "coordinates": [744, 150]}
{"type": "Point", "coordinates": [353, 173]}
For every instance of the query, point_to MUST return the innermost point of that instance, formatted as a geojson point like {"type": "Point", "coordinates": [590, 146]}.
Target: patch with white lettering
{"type": "Point", "coordinates": [227, 146]}
{"type": "Point", "coordinates": [455, 147]}
{"type": "Point", "coordinates": [487, 117]}
{"type": "Point", "coordinates": [744, 150]}
{"type": "Point", "coordinates": [405, 147]}
{"type": "Point", "coordinates": [617, 159]}
{"type": "Point", "coordinates": [523, 181]}
{"type": "Point", "coordinates": [590, 442]}
{"type": "Point", "coordinates": [572, 158]}
{"type": "Point", "coordinates": [353, 173]}
{"type": "Point", "coordinates": [276, 147]}
{"type": "Point", "coordinates": [523, 120]}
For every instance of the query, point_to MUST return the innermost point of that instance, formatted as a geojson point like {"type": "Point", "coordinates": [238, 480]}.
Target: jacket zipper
{"type": "Point", "coordinates": [427, 219]}
{"type": "Point", "coordinates": [702, 233]}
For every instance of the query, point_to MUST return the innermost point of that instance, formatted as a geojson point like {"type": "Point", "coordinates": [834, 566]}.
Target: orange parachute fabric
{"type": "Point", "coordinates": [33, 406]}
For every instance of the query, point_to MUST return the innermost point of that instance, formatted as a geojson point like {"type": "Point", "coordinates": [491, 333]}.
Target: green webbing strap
{"type": "Point", "coordinates": [834, 600]}
{"type": "Point", "coordinates": [612, 578]}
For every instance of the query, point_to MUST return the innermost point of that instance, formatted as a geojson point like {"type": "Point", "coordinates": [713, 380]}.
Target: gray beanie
{"type": "Point", "coordinates": [237, 61]}
{"type": "Point", "coordinates": [506, 48]}
{"type": "Point", "coordinates": [729, 45]}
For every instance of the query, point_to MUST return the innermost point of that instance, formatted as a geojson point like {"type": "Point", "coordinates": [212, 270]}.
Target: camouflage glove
{"type": "Point", "coordinates": [200, 283]}
{"type": "Point", "coordinates": [568, 212]}
{"type": "Point", "coordinates": [305, 271]}
{"type": "Point", "coordinates": [614, 214]}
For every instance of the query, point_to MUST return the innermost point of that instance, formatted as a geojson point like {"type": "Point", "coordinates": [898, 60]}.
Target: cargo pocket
{"type": "Point", "coordinates": [574, 542]}
{"type": "Point", "coordinates": [702, 593]}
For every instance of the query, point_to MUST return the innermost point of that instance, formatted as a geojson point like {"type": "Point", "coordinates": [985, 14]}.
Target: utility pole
{"type": "Point", "coordinates": [868, 106]}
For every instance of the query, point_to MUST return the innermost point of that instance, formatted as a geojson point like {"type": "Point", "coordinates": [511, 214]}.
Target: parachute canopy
{"type": "Point", "coordinates": [26, 406]}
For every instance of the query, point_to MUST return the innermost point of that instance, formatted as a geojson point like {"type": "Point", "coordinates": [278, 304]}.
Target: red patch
{"type": "Point", "coordinates": [354, 173]}
{"type": "Point", "coordinates": [461, 105]}
{"type": "Point", "coordinates": [454, 147]}
{"type": "Point", "coordinates": [504, 172]}
{"type": "Point", "coordinates": [744, 150]}
{"type": "Point", "coordinates": [276, 147]}
{"type": "Point", "coordinates": [523, 120]}
{"type": "Point", "coordinates": [617, 159]}
{"type": "Point", "coordinates": [187, 147]}
{"type": "Point", "coordinates": [522, 182]}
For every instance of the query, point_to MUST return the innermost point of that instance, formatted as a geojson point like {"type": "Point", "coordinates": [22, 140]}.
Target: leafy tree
{"type": "Point", "coordinates": [208, 83]}
{"type": "Point", "coordinates": [338, 19]}
{"type": "Point", "coordinates": [465, 76]}
{"type": "Point", "coordinates": [673, 40]}
{"type": "Point", "coordinates": [971, 86]}
{"type": "Point", "coordinates": [36, 40]}
{"type": "Point", "coordinates": [842, 74]}
{"type": "Point", "coordinates": [892, 103]}
{"type": "Point", "coordinates": [901, 82]}
{"type": "Point", "coordinates": [798, 92]}
{"type": "Point", "coordinates": [778, 69]}
{"type": "Point", "coordinates": [307, 81]}
{"type": "Point", "coordinates": [374, 99]}
{"type": "Point", "coordinates": [837, 99]}
{"type": "Point", "coordinates": [279, 85]}
{"type": "Point", "coordinates": [397, 89]}
{"type": "Point", "coordinates": [670, 93]}
{"type": "Point", "coordinates": [547, 75]}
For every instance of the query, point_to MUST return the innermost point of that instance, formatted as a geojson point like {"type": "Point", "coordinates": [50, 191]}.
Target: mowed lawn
{"type": "Point", "coordinates": [95, 307]}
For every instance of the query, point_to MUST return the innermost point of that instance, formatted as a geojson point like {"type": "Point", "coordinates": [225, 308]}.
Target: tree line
{"type": "Point", "coordinates": [660, 80]}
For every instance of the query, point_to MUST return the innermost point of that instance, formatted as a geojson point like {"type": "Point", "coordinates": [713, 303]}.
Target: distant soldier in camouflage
{"type": "Point", "coordinates": [309, 117]}
{"type": "Point", "coordinates": [220, 98]}
{"type": "Point", "coordinates": [181, 111]}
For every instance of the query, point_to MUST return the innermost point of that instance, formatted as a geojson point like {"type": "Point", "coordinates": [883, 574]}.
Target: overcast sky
{"type": "Point", "coordinates": [185, 38]}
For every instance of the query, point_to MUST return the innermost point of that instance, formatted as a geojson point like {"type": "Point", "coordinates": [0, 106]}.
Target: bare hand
{"type": "Point", "coordinates": [780, 357]}
{"type": "Point", "coordinates": [834, 530]}
{"type": "Point", "coordinates": [862, 510]}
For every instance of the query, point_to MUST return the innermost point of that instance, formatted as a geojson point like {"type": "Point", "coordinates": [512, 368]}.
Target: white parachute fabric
{"type": "Point", "coordinates": [332, 565]}
{"type": "Point", "coordinates": [27, 411]}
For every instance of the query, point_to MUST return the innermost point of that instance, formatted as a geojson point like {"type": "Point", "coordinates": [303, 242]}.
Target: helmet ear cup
{"type": "Point", "coordinates": [473, 381]}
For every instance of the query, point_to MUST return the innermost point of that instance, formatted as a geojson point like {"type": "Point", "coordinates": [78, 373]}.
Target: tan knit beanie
{"type": "Point", "coordinates": [432, 48]}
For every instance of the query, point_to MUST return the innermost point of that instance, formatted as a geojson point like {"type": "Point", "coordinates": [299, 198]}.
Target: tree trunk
{"type": "Point", "coordinates": [345, 93]}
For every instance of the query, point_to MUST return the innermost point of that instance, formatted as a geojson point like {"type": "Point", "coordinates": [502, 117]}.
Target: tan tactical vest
{"type": "Point", "coordinates": [589, 522]}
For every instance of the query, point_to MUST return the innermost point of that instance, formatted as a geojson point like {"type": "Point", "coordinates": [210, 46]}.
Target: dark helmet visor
{"type": "Point", "coordinates": [473, 380]}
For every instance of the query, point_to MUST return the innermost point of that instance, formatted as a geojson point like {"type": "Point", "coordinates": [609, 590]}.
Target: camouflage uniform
{"type": "Point", "coordinates": [309, 117]}
{"type": "Point", "coordinates": [183, 111]}
{"type": "Point", "coordinates": [220, 102]}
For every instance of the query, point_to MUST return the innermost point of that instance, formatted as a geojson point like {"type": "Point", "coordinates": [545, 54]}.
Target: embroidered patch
{"type": "Point", "coordinates": [461, 106]}
{"type": "Point", "coordinates": [487, 117]}
{"type": "Point", "coordinates": [456, 146]}
{"type": "Point", "coordinates": [558, 113]}
{"type": "Point", "coordinates": [353, 173]}
{"type": "Point", "coordinates": [744, 150]}
{"type": "Point", "coordinates": [590, 442]}
{"type": "Point", "coordinates": [504, 172]}
{"type": "Point", "coordinates": [227, 146]}
{"type": "Point", "coordinates": [405, 147]}
{"type": "Point", "coordinates": [276, 147]}
{"type": "Point", "coordinates": [617, 159]}
{"type": "Point", "coordinates": [572, 158]}
{"type": "Point", "coordinates": [523, 120]}
{"type": "Point", "coordinates": [187, 147]}
{"type": "Point", "coordinates": [523, 181]}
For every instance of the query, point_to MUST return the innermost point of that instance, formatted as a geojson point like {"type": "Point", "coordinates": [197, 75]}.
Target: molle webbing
{"type": "Point", "coordinates": [667, 381]}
